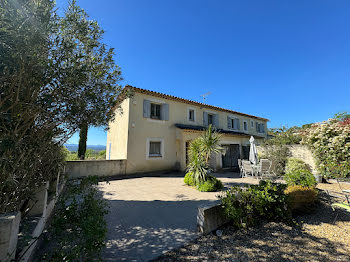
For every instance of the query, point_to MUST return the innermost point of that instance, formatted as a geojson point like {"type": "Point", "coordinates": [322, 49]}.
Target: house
{"type": "Point", "coordinates": [152, 131]}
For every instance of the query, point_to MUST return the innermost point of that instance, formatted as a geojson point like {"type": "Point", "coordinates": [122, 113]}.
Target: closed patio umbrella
{"type": "Point", "coordinates": [253, 153]}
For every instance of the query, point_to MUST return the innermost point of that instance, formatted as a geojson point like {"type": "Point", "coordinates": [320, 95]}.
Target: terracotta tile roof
{"type": "Point", "coordinates": [186, 101]}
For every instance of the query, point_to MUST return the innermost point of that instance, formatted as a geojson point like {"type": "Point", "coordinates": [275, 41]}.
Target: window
{"type": "Point", "coordinates": [155, 111]}
{"type": "Point", "coordinates": [233, 123]}
{"type": "Point", "coordinates": [155, 149]}
{"type": "Point", "coordinates": [260, 128]}
{"type": "Point", "coordinates": [245, 126]}
{"type": "Point", "coordinates": [210, 119]}
{"type": "Point", "coordinates": [191, 115]}
{"type": "Point", "coordinates": [251, 123]}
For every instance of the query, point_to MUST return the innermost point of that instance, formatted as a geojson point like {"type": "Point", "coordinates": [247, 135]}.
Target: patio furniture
{"type": "Point", "coordinates": [247, 168]}
{"type": "Point", "coordinates": [342, 202]}
{"type": "Point", "coordinates": [265, 169]}
{"type": "Point", "coordinates": [339, 180]}
{"type": "Point", "coordinates": [240, 167]}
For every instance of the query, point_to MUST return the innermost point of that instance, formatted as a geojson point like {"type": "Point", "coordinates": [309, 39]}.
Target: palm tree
{"type": "Point", "coordinates": [209, 141]}
{"type": "Point", "coordinates": [200, 151]}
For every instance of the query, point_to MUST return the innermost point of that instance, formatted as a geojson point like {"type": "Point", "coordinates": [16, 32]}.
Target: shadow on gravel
{"type": "Point", "coordinates": [268, 242]}
{"type": "Point", "coordinates": [143, 230]}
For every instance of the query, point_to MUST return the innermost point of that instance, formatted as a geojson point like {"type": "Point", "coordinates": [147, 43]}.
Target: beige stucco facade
{"type": "Point", "coordinates": [130, 134]}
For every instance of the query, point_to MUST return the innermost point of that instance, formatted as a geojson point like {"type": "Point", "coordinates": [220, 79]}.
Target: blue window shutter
{"type": "Point", "coordinates": [262, 128]}
{"type": "Point", "coordinates": [216, 120]}
{"type": "Point", "coordinates": [205, 118]}
{"type": "Point", "coordinates": [237, 124]}
{"type": "Point", "coordinates": [229, 123]}
{"type": "Point", "coordinates": [146, 108]}
{"type": "Point", "coordinates": [164, 112]}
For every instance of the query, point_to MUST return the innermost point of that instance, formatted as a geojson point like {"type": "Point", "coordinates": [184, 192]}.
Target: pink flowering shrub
{"type": "Point", "coordinates": [329, 142]}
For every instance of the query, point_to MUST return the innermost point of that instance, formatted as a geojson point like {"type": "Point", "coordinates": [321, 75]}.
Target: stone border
{"type": "Point", "coordinates": [27, 253]}
{"type": "Point", "coordinates": [210, 217]}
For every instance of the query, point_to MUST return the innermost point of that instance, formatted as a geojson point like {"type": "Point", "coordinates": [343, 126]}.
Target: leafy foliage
{"type": "Point", "coordinates": [212, 184]}
{"type": "Point", "coordinates": [301, 198]}
{"type": "Point", "coordinates": [95, 90]}
{"type": "Point", "coordinates": [329, 142]}
{"type": "Point", "coordinates": [295, 164]}
{"type": "Point", "coordinates": [246, 206]}
{"type": "Point", "coordinates": [300, 177]}
{"type": "Point", "coordinates": [278, 154]}
{"type": "Point", "coordinates": [30, 130]}
{"type": "Point", "coordinates": [285, 135]}
{"type": "Point", "coordinates": [189, 180]}
{"type": "Point", "coordinates": [78, 228]}
{"type": "Point", "coordinates": [52, 79]}
{"type": "Point", "coordinates": [200, 151]}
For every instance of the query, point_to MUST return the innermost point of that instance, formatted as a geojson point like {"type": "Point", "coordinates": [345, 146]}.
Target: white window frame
{"type": "Point", "coordinates": [246, 122]}
{"type": "Point", "coordinates": [160, 109]}
{"type": "Point", "coordinates": [156, 101]}
{"type": "Point", "coordinates": [188, 114]}
{"type": "Point", "coordinates": [148, 141]}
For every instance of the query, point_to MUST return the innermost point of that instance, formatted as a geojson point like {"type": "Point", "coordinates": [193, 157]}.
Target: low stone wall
{"type": "Point", "coordinates": [101, 168]}
{"type": "Point", "coordinates": [211, 217]}
{"type": "Point", "coordinates": [9, 225]}
{"type": "Point", "coordinates": [301, 152]}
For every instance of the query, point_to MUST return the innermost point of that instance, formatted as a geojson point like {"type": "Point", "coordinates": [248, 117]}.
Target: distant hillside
{"type": "Point", "coordinates": [74, 147]}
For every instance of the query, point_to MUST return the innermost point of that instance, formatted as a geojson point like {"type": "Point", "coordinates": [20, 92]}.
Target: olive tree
{"type": "Point", "coordinates": [93, 85]}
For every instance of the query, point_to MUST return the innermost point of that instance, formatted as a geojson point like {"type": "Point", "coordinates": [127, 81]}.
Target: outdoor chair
{"type": "Point", "coordinates": [247, 168]}
{"type": "Point", "coordinates": [342, 202]}
{"type": "Point", "coordinates": [339, 180]}
{"type": "Point", "coordinates": [240, 167]}
{"type": "Point", "coordinates": [264, 170]}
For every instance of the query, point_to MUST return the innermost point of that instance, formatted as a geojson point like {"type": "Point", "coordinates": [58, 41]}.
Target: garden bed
{"type": "Point", "coordinates": [316, 239]}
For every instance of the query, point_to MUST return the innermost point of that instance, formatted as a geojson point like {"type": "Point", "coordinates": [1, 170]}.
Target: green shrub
{"type": "Point", "coordinates": [78, 229]}
{"type": "Point", "coordinates": [295, 164]}
{"type": "Point", "coordinates": [189, 179]}
{"type": "Point", "coordinates": [301, 199]}
{"type": "Point", "coordinates": [278, 154]}
{"type": "Point", "coordinates": [245, 206]}
{"type": "Point", "coordinates": [300, 177]}
{"type": "Point", "coordinates": [212, 184]}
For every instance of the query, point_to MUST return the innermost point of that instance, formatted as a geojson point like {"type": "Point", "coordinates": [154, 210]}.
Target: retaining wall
{"type": "Point", "coordinates": [301, 152]}
{"type": "Point", "coordinates": [101, 168]}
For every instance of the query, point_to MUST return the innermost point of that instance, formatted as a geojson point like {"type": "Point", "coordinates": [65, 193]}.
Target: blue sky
{"type": "Point", "coordinates": [288, 61]}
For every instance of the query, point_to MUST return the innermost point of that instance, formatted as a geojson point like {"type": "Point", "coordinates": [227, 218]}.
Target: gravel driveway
{"type": "Point", "coordinates": [151, 215]}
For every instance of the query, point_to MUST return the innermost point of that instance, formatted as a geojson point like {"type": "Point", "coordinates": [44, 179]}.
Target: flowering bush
{"type": "Point", "coordinates": [329, 142]}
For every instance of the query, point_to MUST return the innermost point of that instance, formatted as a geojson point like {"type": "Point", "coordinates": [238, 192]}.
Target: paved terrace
{"type": "Point", "coordinates": [151, 215]}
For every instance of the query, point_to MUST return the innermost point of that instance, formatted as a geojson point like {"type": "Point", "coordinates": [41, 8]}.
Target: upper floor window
{"type": "Point", "coordinates": [210, 119]}
{"type": "Point", "coordinates": [260, 127]}
{"type": "Point", "coordinates": [155, 111]}
{"type": "Point", "coordinates": [245, 126]}
{"type": "Point", "coordinates": [191, 115]}
{"type": "Point", "coordinates": [233, 123]}
{"type": "Point", "coordinates": [251, 123]}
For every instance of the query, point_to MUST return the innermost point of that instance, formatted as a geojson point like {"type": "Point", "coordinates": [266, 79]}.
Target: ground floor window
{"type": "Point", "coordinates": [155, 148]}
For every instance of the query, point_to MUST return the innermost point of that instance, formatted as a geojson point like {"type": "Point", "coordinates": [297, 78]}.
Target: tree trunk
{"type": "Point", "coordinates": [82, 140]}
